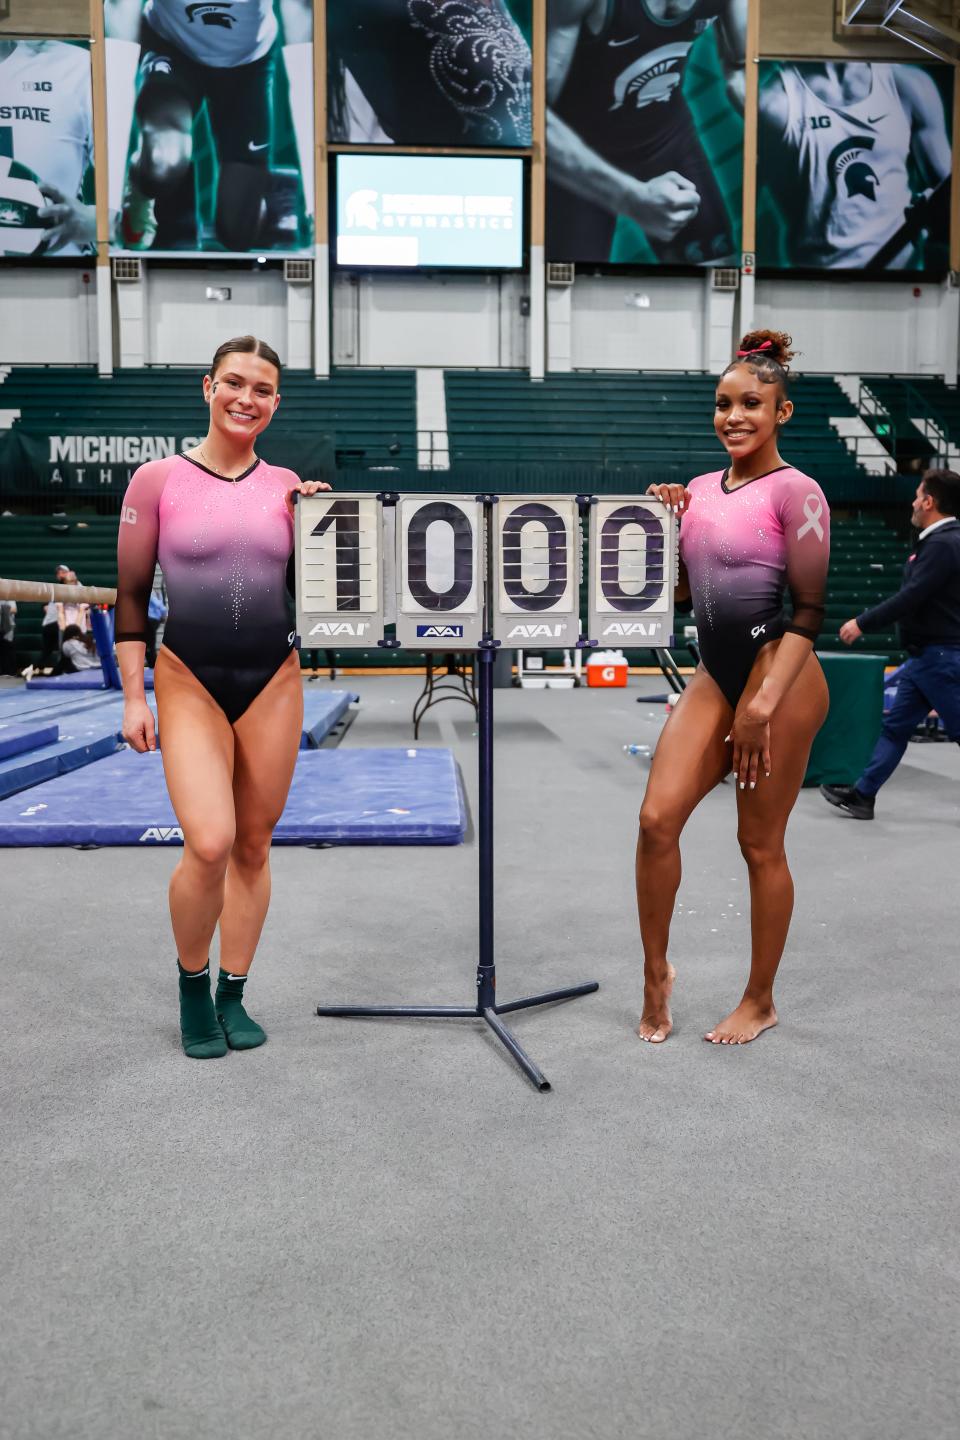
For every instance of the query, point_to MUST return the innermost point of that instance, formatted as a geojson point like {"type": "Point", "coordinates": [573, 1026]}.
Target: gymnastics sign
{"type": "Point", "coordinates": [417, 565]}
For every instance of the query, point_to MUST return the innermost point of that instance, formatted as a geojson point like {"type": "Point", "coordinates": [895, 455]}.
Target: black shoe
{"type": "Point", "coordinates": [849, 799]}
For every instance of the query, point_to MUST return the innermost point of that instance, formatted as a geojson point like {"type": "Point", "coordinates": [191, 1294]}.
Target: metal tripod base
{"type": "Point", "coordinates": [489, 1013]}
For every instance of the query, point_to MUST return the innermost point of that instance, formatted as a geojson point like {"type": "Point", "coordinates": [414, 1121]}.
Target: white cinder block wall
{"type": "Point", "coordinates": [601, 322]}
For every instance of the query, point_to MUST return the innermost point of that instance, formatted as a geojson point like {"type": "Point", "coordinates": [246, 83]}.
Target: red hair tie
{"type": "Point", "coordinates": [767, 345]}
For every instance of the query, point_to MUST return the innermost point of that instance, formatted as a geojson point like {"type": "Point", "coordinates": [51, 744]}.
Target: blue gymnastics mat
{"type": "Point", "coordinates": [64, 756]}
{"type": "Point", "coordinates": [322, 710]}
{"type": "Point", "coordinates": [341, 797]}
{"type": "Point", "coordinates": [15, 739]}
{"type": "Point", "coordinates": [81, 680]}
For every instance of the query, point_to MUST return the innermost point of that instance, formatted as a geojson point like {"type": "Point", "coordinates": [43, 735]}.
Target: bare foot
{"type": "Point", "coordinates": [655, 1022]}
{"type": "Point", "coordinates": [749, 1020]}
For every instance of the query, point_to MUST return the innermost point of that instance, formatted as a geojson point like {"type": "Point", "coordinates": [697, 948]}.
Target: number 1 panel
{"type": "Point", "coordinates": [632, 571]}
{"type": "Point", "coordinates": [339, 548]}
{"type": "Point", "coordinates": [537, 565]}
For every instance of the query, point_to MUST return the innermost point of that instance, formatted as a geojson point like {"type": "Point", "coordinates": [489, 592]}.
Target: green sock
{"type": "Point", "coordinates": [202, 1036]}
{"type": "Point", "coordinates": [242, 1033]}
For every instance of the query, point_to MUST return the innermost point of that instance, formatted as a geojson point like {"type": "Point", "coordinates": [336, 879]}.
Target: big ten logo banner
{"type": "Point", "coordinates": [46, 149]}
{"type": "Point", "coordinates": [429, 72]}
{"type": "Point", "coordinates": [645, 131]}
{"type": "Point", "coordinates": [854, 166]}
{"type": "Point", "coordinates": [210, 125]}
{"type": "Point", "coordinates": [417, 566]}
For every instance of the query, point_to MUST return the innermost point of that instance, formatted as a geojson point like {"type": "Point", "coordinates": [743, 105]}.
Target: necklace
{"type": "Point", "coordinates": [232, 478]}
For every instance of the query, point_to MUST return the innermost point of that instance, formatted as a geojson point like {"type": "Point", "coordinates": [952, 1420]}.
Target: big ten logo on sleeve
{"type": "Point", "coordinates": [632, 571]}
{"type": "Point", "coordinates": [128, 515]}
{"type": "Point", "coordinates": [538, 563]}
{"type": "Point", "coordinates": [339, 591]}
{"type": "Point", "coordinates": [440, 580]}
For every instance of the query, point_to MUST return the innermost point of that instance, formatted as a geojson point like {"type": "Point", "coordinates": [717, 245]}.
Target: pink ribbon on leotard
{"type": "Point", "coordinates": [767, 345]}
{"type": "Point", "coordinates": [813, 510]}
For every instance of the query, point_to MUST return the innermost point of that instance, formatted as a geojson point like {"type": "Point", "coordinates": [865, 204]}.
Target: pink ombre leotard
{"type": "Point", "coordinates": [741, 548]}
{"type": "Point", "coordinates": [224, 547]}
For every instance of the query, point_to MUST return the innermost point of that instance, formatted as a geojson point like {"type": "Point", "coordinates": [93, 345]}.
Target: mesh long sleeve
{"type": "Point", "coordinates": [137, 543]}
{"type": "Point", "coordinates": [805, 517]}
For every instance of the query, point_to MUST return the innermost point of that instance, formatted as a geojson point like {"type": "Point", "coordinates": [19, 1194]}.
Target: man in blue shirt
{"type": "Point", "coordinates": [927, 609]}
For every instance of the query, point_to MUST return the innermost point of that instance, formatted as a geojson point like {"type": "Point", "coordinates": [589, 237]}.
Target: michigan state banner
{"type": "Point", "coordinates": [854, 166]}
{"type": "Point", "coordinates": [46, 149]}
{"type": "Point", "coordinates": [210, 125]}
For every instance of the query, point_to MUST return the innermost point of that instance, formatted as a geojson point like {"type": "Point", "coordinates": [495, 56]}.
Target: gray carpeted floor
{"type": "Point", "coordinates": [379, 1229]}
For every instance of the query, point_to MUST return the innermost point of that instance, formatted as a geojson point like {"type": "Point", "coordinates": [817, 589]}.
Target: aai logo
{"type": "Point", "coordinates": [439, 632]}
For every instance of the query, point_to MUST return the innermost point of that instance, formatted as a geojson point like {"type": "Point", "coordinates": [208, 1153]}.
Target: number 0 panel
{"type": "Point", "coordinates": [632, 571]}
{"type": "Point", "coordinates": [537, 548]}
{"type": "Point", "coordinates": [440, 581]}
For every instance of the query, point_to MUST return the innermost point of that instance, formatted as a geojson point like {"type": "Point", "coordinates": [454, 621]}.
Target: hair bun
{"type": "Point", "coordinates": [770, 344]}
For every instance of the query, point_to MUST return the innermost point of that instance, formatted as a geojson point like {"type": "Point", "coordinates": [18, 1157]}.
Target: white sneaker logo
{"type": "Point", "coordinates": [254, 148]}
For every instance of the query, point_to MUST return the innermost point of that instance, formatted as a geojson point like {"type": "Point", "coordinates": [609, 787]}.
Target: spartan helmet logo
{"type": "Point", "coordinates": [851, 170]}
{"type": "Point", "coordinates": [860, 180]}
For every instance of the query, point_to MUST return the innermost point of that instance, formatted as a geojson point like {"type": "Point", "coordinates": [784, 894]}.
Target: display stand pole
{"type": "Point", "coordinates": [486, 1007]}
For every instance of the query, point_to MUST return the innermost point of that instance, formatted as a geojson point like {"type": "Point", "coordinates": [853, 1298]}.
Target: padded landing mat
{"type": "Point", "coordinates": [15, 739]}
{"type": "Point", "coordinates": [322, 711]}
{"type": "Point", "coordinates": [343, 797]}
{"type": "Point", "coordinates": [69, 753]}
{"type": "Point", "coordinates": [80, 680]}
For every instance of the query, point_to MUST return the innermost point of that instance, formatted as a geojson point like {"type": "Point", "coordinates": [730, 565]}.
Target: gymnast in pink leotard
{"type": "Point", "coordinates": [741, 546]}
{"type": "Point", "coordinates": [224, 548]}
{"type": "Point", "coordinates": [748, 535]}
{"type": "Point", "coordinates": [227, 681]}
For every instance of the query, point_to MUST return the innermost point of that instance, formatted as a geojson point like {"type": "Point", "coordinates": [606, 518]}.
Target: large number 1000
{"type": "Point", "coordinates": [636, 560]}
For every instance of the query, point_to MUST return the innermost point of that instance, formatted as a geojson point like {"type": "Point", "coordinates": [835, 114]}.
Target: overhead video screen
{"type": "Point", "coordinates": [429, 212]}
{"type": "Point", "coordinates": [854, 166]}
{"type": "Point", "coordinates": [429, 72]}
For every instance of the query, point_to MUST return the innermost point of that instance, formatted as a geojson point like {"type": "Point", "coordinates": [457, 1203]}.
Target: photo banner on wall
{"type": "Point", "coordinates": [46, 149]}
{"type": "Point", "coordinates": [210, 125]}
{"type": "Point", "coordinates": [645, 131]}
{"type": "Point", "coordinates": [854, 166]}
{"type": "Point", "coordinates": [429, 72]}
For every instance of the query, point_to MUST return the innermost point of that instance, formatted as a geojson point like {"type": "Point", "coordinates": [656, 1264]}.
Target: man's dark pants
{"type": "Point", "coordinates": [928, 681]}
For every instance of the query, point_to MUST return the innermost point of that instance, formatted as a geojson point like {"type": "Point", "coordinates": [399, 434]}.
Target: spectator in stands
{"type": "Point", "coordinates": [50, 629]}
{"type": "Point", "coordinates": [8, 625]}
{"type": "Point", "coordinates": [79, 650]}
{"type": "Point", "coordinates": [73, 612]}
{"type": "Point", "coordinates": [927, 608]}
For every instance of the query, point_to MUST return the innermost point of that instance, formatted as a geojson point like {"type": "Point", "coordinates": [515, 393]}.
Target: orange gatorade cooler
{"type": "Point", "coordinates": [607, 668]}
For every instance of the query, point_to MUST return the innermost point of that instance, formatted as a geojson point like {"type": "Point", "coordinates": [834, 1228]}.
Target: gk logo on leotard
{"type": "Point", "coordinates": [813, 510]}
{"type": "Point", "coordinates": [758, 630]}
{"type": "Point", "coordinates": [128, 515]}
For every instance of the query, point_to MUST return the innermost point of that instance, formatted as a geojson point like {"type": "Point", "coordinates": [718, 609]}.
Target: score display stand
{"type": "Point", "coordinates": [461, 574]}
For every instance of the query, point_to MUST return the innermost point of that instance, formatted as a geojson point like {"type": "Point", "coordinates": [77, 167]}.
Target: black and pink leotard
{"type": "Point", "coordinates": [741, 548]}
{"type": "Point", "coordinates": [224, 547]}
